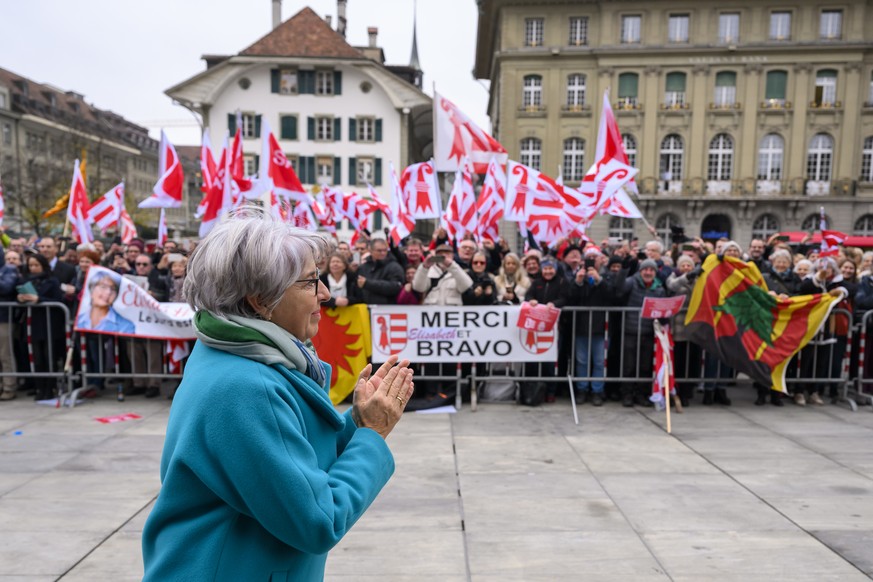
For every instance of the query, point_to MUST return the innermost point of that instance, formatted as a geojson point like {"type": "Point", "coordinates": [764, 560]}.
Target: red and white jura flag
{"type": "Point", "coordinates": [279, 207]}
{"type": "Point", "coordinates": [303, 217]}
{"type": "Point", "coordinates": [106, 210]}
{"type": "Point", "coordinates": [167, 192]}
{"type": "Point", "coordinates": [492, 201]}
{"type": "Point", "coordinates": [208, 170]}
{"type": "Point", "coordinates": [456, 136]}
{"type": "Point", "coordinates": [622, 205]}
{"type": "Point", "coordinates": [830, 239]}
{"type": "Point", "coordinates": [376, 204]}
{"type": "Point", "coordinates": [665, 379]}
{"type": "Point", "coordinates": [392, 332]}
{"type": "Point", "coordinates": [421, 190]}
{"type": "Point", "coordinates": [609, 142]}
{"type": "Point", "coordinates": [128, 228]}
{"type": "Point", "coordinates": [324, 212]}
{"type": "Point", "coordinates": [177, 351]}
{"type": "Point", "coordinates": [78, 207]}
{"type": "Point", "coordinates": [402, 221]}
{"type": "Point", "coordinates": [460, 217]}
{"type": "Point", "coordinates": [276, 171]}
{"type": "Point", "coordinates": [219, 200]}
{"type": "Point", "coordinates": [244, 187]}
{"type": "Point", "coordinates": [162, 230]}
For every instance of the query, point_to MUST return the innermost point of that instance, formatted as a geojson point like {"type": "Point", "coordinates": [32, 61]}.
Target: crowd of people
{"type": "Point", "coordinates": [611, 349]}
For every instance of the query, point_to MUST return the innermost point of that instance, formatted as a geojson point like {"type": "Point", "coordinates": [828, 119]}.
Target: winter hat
{"type": "Point", "coordinates": [684, 259]}
{"type": "Point", "coordinates": [648, 264]}
{"type": "Point", "coordinates": [549, 262]}
{"type": "Point", "coordinates": [615, 260]}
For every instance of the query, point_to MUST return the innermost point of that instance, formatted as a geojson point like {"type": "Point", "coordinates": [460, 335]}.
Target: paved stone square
{"type": "Point", "coordinates": [506, 493]}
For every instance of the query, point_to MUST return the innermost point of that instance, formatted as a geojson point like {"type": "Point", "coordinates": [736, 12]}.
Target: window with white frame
{"type": "Point", "coordinates": [630, 149]}
{"type": "Point", "coordinates": [578, 31]}
{"type": "Point", "coordinates": [250, 168]}
{"type": "Point", "coordinates": [532, 93]}
{"type": "Point", "coordinates": [365, 171]}
{"type": "Point", "coordinates": [672, 157]}
{"type": "Point", "coordinates": [630, 28]}
{"type": "Point", "coordinates": [249, 125]}
{"type": "Point", "coordinates": [674, 94]}
{"type": "Point", "coordinates": [366, 129]}
{"type": "Point", "coordinates": [533, 32]}
{"type": "Point", "coordinates": [622, 228]}
{"type": "Point", "coordinates": [531, 152]}
{"type": "Point", "coordinates": [728, 27]}
{"type": "Point", "coordinates": [826, 88]}
{"type": "Point", "coordinates": [819, 158]}
{"type": "Point", "coordinates": [324, 128]}
{"type": "Point", "coordinates": [324, 82]}
{"type": "Point", "coordinates": [831, 26]}
{"type": "Point", "coordinates": [324, 169]}
{"type": "Point", "coordinates": [574, 159]}
{"type": "Point", "coordinates": [765, 226]}
{"type": "Point", "coordinates": [677, 28]}
{"type": "Point", "coordinates": [663, 228]}
{"type": "Point", "coordinates": [721, 157]}
{"type": "Point", "coordinates": [867, 160]}
{"type": "Point", "coordinates": [725, 89]}
{"type": "Point", "coordinates": [287, 82]}
{"type": "Point", "coordinates": [575, 91]}
{"type": "Point", "coordinates": [864, 226]}
{"type": "Point", "coordinates": [780, 25]}
{"type": "Point", "coordinates": [770, 156]}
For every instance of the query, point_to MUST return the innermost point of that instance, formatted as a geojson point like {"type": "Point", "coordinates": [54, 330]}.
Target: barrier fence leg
{"type": "Point", "coordinates": [458, 383]}
{"type": "Point", "coordinates": [474, 396]}
{"type": "Point", "coordinates": [573, 398]}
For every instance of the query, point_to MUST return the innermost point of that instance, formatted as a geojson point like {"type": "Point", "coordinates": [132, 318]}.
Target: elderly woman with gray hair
{"type": "Point", "coordinates": [261, 475]}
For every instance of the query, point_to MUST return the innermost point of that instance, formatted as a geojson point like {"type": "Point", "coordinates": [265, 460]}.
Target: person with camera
{"type": "Point", "coordinates": [483, 290]}
{"type": "Point", "coordinates": [592, 290]}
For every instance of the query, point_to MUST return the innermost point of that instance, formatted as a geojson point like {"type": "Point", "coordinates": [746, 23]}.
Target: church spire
{"type": "Point", "coordinates": [413, 59]}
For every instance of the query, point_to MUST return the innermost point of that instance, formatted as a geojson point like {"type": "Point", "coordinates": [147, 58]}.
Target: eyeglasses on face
{"type": "Point", "coordinates": [311, 282]}
{"type": "Point", "coordinates": [478, 262]}
{"type": "Point", "coordinates": [142, 264]}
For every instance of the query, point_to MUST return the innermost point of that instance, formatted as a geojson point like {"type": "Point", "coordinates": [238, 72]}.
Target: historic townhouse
{"type": "Point", "coordinates": [744, 118]}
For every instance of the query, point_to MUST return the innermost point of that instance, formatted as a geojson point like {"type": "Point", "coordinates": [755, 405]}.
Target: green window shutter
{"type": "Point", "coordinates": [231, 124]}
{"type": "Point", "coordinates": [353, 172]}
{"type": "Point", "coordinates": [627, 85]}
{"type": "Point", "coordinates": [337, 128]}
{"type": "Point", "coordinates": [676, 82]}
{"type": "Point", "coordinates": [378, 172]}
{"type": "Point", "coordinates": [378, 130]}
{"type": "Point", "coordinates": [257, 126]}
{"type": "Point", "coordinates": [337, 83]}
{"type": "Point", "coordinates": [827, 73]}
{"type": "Point", "coordinates": [310, 167]}
{"type": "Point", "coordinates": [310, 127]}
{"type": "Point", "coordinates": [288, 127]}
{"type": "Point", "coordinates": [306, 82]}
{"type": "Point", "coordinates": [257, 164]}
{"type": "Point", "coordinates": [337, 171]}
{"type": "Point", "coordinates": [353, 129]}
{"type": "Point", "coordinates": [726, 79]}
{"type": "Point", "coordinates": [777, 82]}
{"type": "Point", "coordinates": [274, 80]}
{"type": "Point", "coordinates": [377, 221]}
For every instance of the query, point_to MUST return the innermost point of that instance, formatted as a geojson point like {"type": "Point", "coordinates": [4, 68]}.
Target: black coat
{"type": "Point", "coordinates": [385, 279]}
{"type": "Point", "coordinates": [45, 320]}
{"type": "Point", "coordinates": [484, 282]}
{"type": "Point", "coordinates": [555, 291]}
{"type": "Point", "coordinates": [65, 273]}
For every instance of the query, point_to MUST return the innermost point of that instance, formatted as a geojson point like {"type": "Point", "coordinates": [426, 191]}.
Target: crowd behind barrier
{"type": "Point", "coordinates": [605, 348]}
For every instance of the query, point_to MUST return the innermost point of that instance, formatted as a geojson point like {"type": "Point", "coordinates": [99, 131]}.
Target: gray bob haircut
{"type": "Point", "coordinates": [249, 254]}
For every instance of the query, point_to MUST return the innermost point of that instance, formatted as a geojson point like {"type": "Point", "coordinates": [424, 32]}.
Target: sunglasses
{"type": "Point", "coordinates": [142, 264]}
{"type": "Point", "coordinates": [313, 282]}
{"type": "Point", "coordinates": [478, 262]}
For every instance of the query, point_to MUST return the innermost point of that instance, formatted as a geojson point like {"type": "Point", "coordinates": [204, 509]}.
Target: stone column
{"type": "Point", "coordinates": [847, 158]}
{"type": "Point", "coordinates": [651, 98]}
{"type": "Point", "coordinates": [797, 145]}
{"type": "Point", "coordinates": [695, 153]}
{"type": "Point", "coordinates": [746, 144]}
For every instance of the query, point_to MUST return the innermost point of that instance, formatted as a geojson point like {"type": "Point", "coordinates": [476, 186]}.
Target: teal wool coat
{"type": "Point", "coordinates": [261, 476]}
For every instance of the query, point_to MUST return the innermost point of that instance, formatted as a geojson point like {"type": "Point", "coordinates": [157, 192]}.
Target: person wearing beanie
{"type": "Point", "coordinates": [638, 338]}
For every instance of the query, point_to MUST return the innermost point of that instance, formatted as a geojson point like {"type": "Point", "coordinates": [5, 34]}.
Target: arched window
{"type": "Point", "coordinates": [674, 94]}
{"type": "Point", "coordinates": [813, 222]}
{"type": "Point", "coordinates": [672, 154]}
{"type": "Point", "coordinates": [630, 148]}
{"type": "Point", "coordinates": [663, 224]}
{"type": "Point", "coordinates": [864, 226]}
{"type": "Point", "coordinates": [721, 156]}
{"type": "Point", "coordinates": [770, 157]}
{"type": "Point", "coordinates": [575, 90]}
{"type": "Point", "coordinates": [765, 226]}
{"type": "Point", "coordinates": [725, 89]}
{"type": "Point", "coordinates": [574, 159]}
{"type": "Point", "coordinates": [531, 152]}
{"type": "Point", "coordinates": [622, 228]}
{"type": "Point", "coordinates": [628, 90]}
{"type": "Point", "coordinates": [819, 158]}
{"type": "Point", "coordinates": [532, 94]}
{"type": "Point", "coordinates": [826, 88]}
{"type": "Point", "coordinates": [867, 160]}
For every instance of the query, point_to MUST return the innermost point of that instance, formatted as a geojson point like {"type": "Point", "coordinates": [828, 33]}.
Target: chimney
{"type": "Point", "coordinates": [327, 19]}
{"type": "Point", "coordinates": [277, 13]}
{"type": "Point", "coordinates": [341, 17]}
{"type": "Point", "coordinates": [374, 34]}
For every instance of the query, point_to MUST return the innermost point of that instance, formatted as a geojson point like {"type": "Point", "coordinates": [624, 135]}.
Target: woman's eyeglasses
{"type": "Point", "coordinates": [312, 282]}
{"type": "Point", "coordinates": [478, 262]}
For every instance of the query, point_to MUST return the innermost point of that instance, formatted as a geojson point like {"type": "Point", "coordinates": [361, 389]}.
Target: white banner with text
{"type": "Point", "coordinates": [424, 334]}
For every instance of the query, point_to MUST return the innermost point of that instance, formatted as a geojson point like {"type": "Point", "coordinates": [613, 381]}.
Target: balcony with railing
{"type": "Point", "coordinates": [628, 104]}
{"type": "Point", "coordinates": [775, 104]}
{"type": "Point", "coordinates": [826, 105]}
{"type": "Point", "coordinates": [576, 110]}
{"type": "Point", "coordinates": [532, 110]}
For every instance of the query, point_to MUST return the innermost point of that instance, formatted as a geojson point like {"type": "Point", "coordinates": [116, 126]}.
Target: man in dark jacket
{"type": "Point", "coordinates": [590, 290]}
{"type": "Point", "coordinates": [380, 278]}
{"type": "Point", "coordinates": [8, 292]}
{"type": "Point", "coordinates": [551, 289]}
{"type": "Point", "coordinates": [638, 337]}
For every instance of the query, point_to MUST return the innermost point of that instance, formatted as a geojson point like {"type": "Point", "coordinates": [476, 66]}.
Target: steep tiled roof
{"type": "Point", "coordinates": [70, 109]}
{"type": "Point", "coordinates": [303, 35]}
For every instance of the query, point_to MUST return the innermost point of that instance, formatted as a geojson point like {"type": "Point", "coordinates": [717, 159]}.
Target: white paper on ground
{"type": "Point", "coordinates": [449, 409]}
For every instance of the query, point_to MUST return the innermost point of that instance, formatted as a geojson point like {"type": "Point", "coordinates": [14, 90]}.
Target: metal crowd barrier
{"type": "Point", "coordinates": [863, 381]}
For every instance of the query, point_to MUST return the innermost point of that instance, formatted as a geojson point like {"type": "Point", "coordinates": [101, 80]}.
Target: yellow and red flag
{"type": "Point", "coordinates": [343, 341]}
{"type": "Point", "coordinates": [733, 316]}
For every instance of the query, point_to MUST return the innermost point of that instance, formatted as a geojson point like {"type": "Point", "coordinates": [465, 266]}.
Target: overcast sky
{"type": "Point", "coordinates": [122, 55]}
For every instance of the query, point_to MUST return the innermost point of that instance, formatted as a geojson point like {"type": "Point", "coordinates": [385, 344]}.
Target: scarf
{"type": "Point", "coordinates": [259, 340]}
{"type": "Point", "coordinates": [337, 286]}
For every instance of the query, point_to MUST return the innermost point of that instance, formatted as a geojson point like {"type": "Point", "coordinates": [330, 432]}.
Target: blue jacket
{"type": "Point", "coordinates": [261, 475]}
